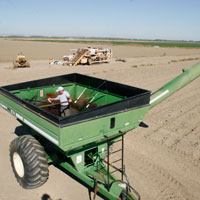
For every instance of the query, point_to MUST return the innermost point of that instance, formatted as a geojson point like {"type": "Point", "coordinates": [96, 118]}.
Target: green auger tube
{"type": "Point", "coordinates": [174, 85]}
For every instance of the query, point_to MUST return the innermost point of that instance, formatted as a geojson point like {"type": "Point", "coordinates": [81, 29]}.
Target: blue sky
{"type": "Point", "coordinates": [140, 19]}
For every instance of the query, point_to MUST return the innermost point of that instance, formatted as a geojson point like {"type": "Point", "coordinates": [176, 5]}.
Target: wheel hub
{"type": "Point", "coordinates": [18, 164]}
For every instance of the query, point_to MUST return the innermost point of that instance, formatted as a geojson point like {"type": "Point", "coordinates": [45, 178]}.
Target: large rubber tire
{"type": "Point", "coordinates": [29, 162]}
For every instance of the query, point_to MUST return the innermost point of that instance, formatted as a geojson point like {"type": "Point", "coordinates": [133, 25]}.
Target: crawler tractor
{"type": "Point", "coordinates": [21, 62]}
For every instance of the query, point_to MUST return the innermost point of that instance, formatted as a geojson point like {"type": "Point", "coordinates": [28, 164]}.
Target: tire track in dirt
{"type": "Point", "coordinates": [154, 169]}
{"type": "Point", "coordinates": [179, 101]}
{"type": "Point", "coordinates": [193, 158]}
{"type": "Point", "coordinates": [176, 143]}
{"type": "Point", "coordinates": [177, 114]}
{"type": "Point", "coordinates": [178, 120]}
{"type": "Point", "coordinates": [176, 131]}
{"type": "Point", "coordinates": [166, 184]}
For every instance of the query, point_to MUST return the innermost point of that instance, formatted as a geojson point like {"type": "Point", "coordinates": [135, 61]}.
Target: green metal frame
{"type": "Point", "coordinates": [94, 174]}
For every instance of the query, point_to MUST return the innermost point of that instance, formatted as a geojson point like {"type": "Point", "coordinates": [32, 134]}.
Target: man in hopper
{"type": "Point", "coordinates": [65, 100]}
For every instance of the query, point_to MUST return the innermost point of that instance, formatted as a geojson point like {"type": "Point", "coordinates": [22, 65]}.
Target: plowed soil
{"type": "Point", "coordinates": [162, 161]}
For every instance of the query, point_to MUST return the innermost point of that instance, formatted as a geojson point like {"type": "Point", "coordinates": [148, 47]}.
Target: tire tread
{"type": "Point", "coordinates": [34, 160]}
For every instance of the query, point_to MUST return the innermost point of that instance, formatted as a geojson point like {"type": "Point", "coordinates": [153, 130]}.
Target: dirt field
{"type": "Point", "coordinates": [162, 161]}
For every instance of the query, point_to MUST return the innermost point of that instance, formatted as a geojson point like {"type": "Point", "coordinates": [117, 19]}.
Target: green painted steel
{"type": "Point", "coordinates": [176, 84]}
{"type": "Point", "coordinates": [74, 136]}
{"type": "Point", "coordinates": [28, 117]}
{"type": "Point", "coordinates": [98, 130]}
{"type": "Point", "coordinates": [111, 193]}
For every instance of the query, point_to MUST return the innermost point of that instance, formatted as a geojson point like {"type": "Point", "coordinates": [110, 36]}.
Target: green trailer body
{"type": "Point", "coordinates": [101, 113]}
{"type": "Point", "coordinates": [91, 120]}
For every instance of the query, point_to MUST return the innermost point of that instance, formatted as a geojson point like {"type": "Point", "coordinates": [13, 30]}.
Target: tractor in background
{"type": "Point", "coordinates": [20, 61]}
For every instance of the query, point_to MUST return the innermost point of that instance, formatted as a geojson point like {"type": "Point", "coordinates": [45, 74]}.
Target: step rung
{"type": "Point", "coordinates": [110, 164]}
{"type": "Point", "coordinates": [114, 171]}
{"type": "Point", "coordinates": [119, 170]}
{"type": "Point", "coordinates": [115, 151]}
{"type": "Point", "coordinates": [117, 141]}
{"type": "Point", "coordinates": [116, 161]}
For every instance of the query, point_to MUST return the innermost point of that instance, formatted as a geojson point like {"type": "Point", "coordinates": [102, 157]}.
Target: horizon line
{"type": "Point", "coordinates": [92, 37]}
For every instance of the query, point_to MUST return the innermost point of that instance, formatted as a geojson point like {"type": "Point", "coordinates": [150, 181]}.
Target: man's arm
{"type": "Point", "coordinates": [68, 96]}
{"type": "Point", "coordinates": [70, 99]}
{"type": "Point", "coordinates": [52, 99]}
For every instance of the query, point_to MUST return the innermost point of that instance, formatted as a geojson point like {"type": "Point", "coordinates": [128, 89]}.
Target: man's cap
{"type": "Point", "coordinates": [60, 89]}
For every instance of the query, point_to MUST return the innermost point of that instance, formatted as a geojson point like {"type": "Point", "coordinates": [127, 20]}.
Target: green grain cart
{"type": "Point", "coordinates": [81, 144]}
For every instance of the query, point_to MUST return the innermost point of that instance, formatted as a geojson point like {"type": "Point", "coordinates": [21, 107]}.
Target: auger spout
{"type": "Point", "coordinates": [174, 85]}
